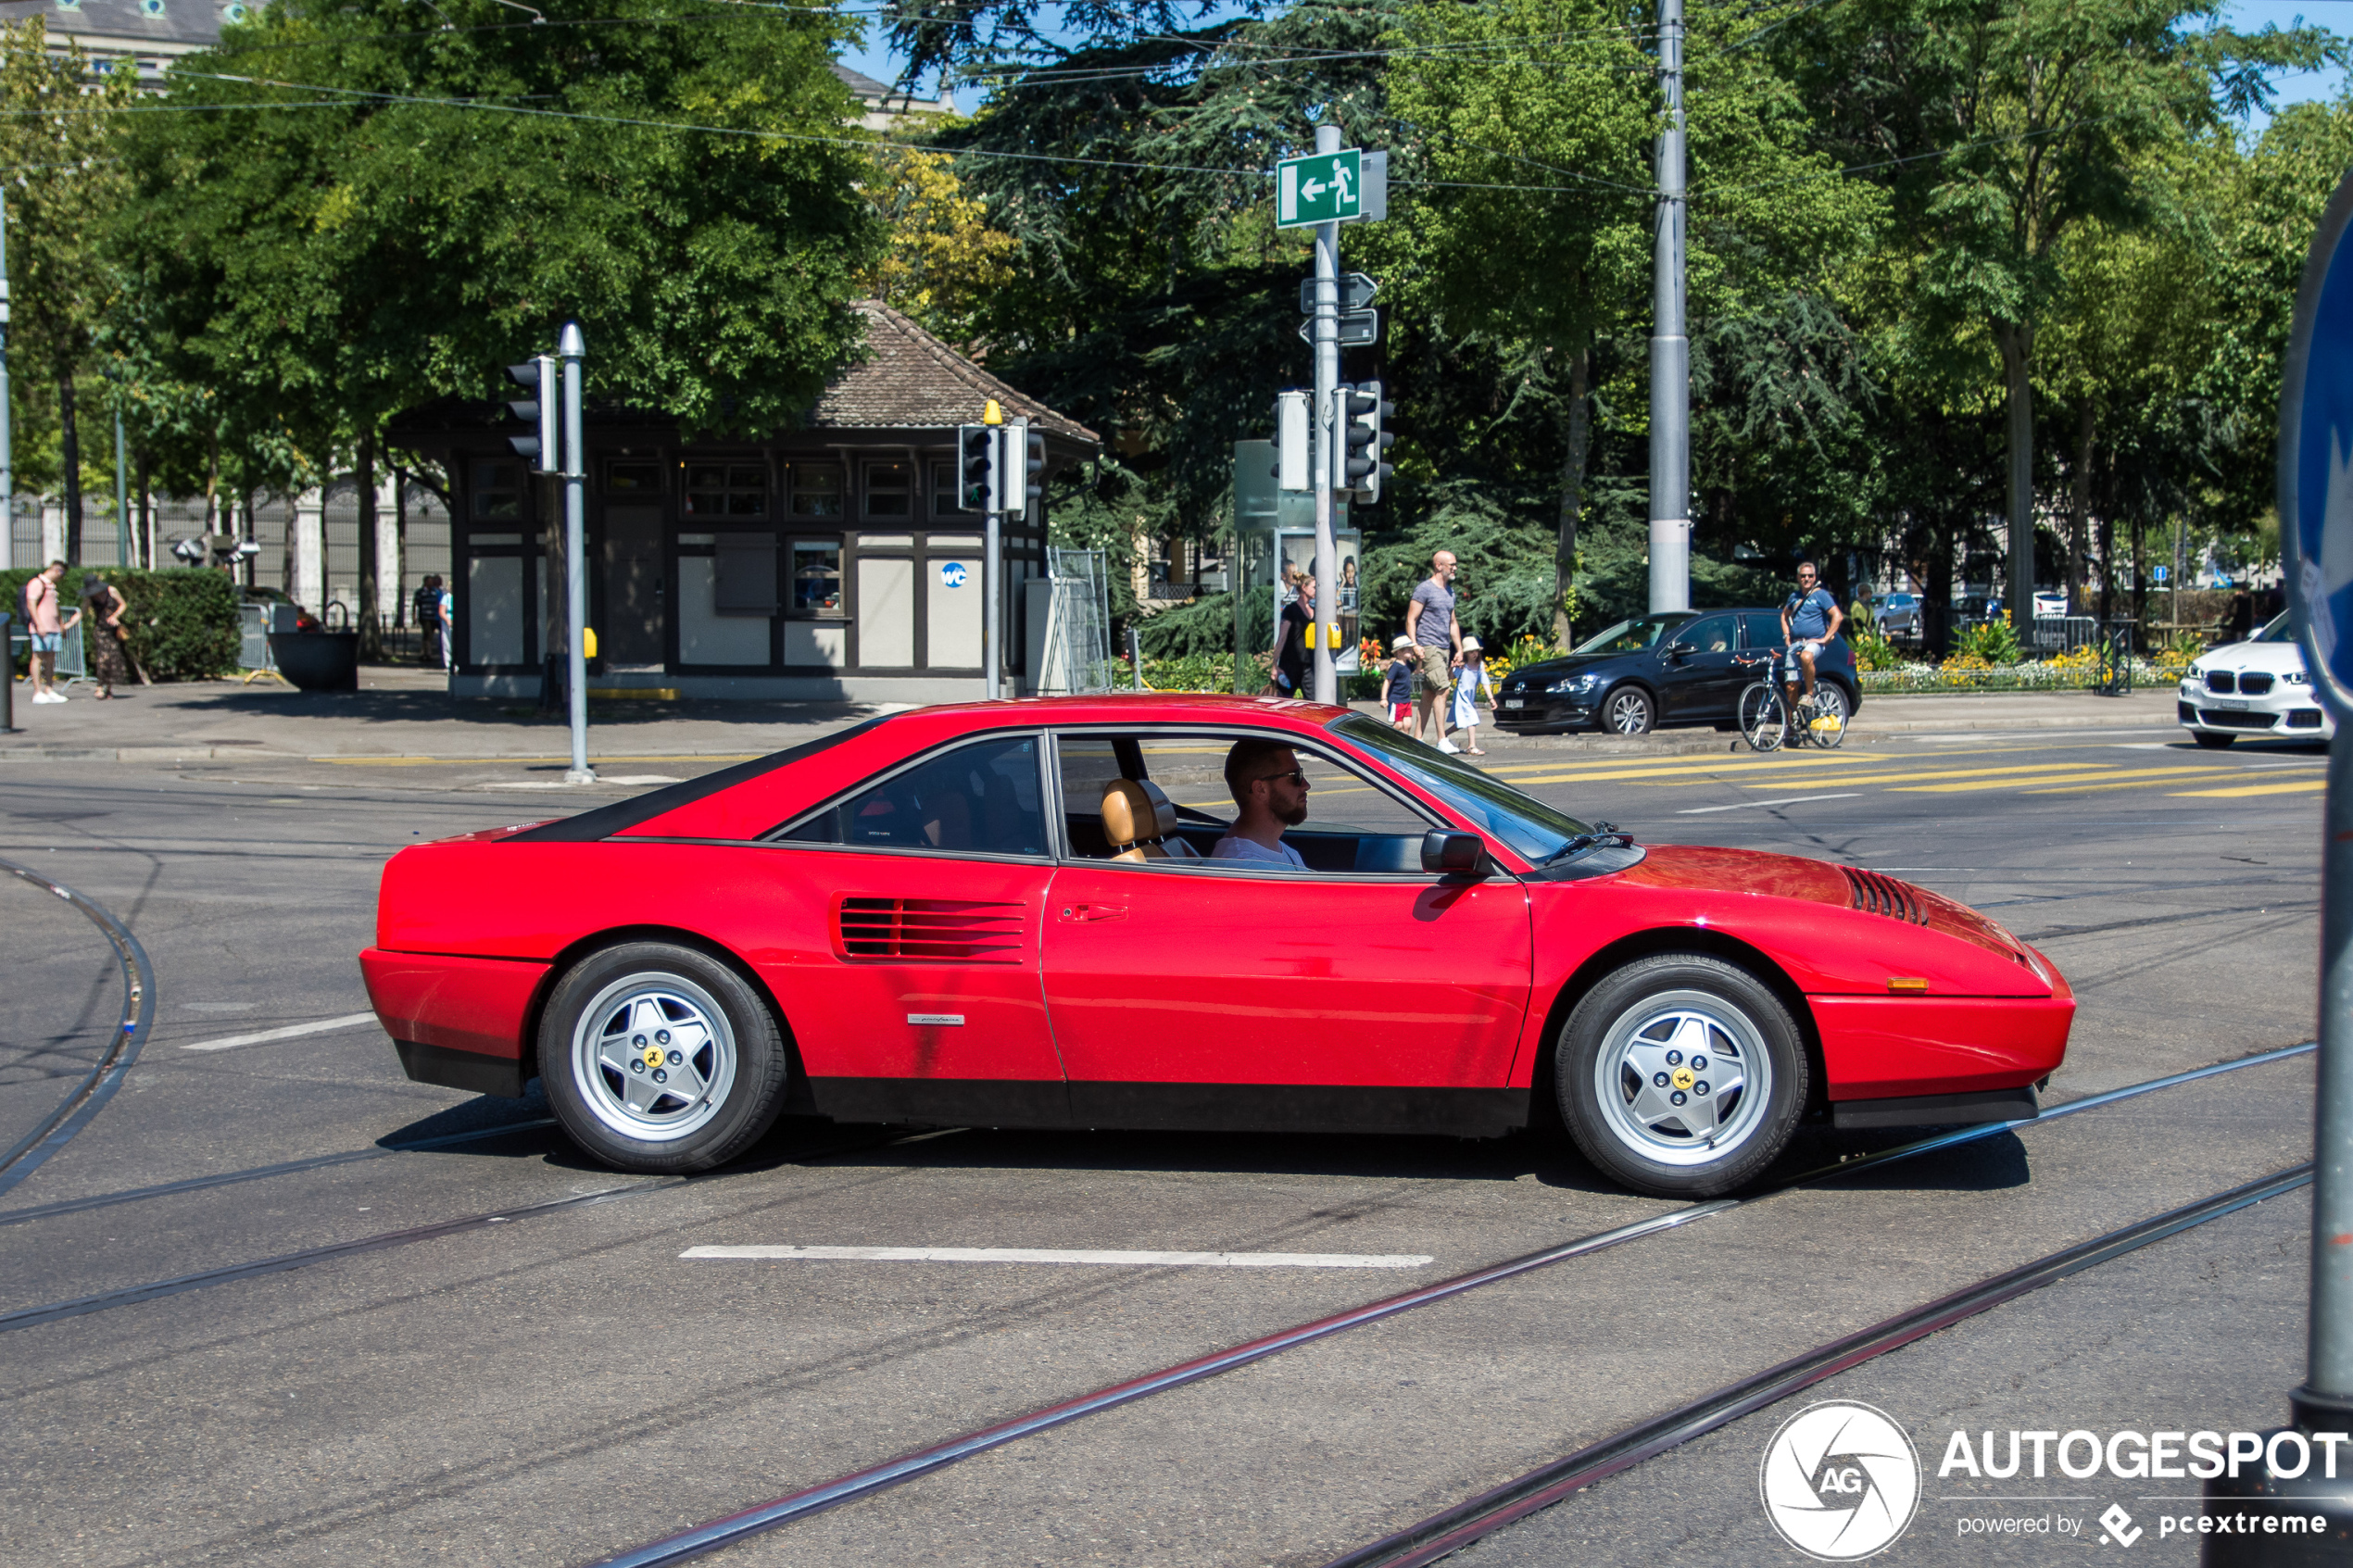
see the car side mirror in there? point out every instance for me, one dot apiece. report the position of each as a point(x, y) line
point(1447, 852)
point(1682, 650)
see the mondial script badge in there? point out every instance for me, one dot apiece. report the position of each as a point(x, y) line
point(1685, 1078)
point(1840, 1481)
point(2316, 460)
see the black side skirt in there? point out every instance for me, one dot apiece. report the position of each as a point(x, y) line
point(1936, 1111)
point(1251, 1108)
point(470, 1070)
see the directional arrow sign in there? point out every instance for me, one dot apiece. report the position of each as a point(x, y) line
point(1325, 188)
point(1356, 292)
point(1357, 329)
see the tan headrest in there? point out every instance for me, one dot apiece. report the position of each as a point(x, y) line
point(1135, 810)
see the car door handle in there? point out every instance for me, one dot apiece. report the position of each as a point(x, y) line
point(1078, 914)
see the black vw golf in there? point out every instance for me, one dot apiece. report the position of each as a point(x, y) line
point(1673, 669)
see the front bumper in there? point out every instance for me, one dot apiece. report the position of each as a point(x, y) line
point(1890, 1048)
point(1547, 710)
point(2284, 710)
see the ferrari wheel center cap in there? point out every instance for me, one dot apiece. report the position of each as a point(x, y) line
point(1685, 1078)
point(653, 1055)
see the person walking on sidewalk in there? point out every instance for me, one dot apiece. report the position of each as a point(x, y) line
point(1429, 621)
point(1295, 659)
point(49, 626)
point(106, 637)
point(1469, 682)
point(1397, 689)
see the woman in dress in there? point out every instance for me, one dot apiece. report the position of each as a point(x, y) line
point(108, 663)
point(1469, 682)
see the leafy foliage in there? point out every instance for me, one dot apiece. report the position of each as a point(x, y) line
point(182, 623)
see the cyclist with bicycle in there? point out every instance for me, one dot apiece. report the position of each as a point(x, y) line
point(1810, 617)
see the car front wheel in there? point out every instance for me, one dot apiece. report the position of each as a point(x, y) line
point(660, 1059)
point(1680, 1075)
point(1629, 711)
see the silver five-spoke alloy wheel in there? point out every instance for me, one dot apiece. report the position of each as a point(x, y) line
point(654, 1056)
point(1628, 711)
point(1683, 1079)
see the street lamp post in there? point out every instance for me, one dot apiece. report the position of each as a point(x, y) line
point(572, 348)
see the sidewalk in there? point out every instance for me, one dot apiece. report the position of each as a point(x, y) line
point(405, 713)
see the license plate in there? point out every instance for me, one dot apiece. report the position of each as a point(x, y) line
point(2235, 704)
point(1515, 702)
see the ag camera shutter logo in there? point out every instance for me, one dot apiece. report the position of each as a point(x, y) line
point(1840, 1481)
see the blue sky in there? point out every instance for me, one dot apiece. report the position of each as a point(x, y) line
point(879, 62)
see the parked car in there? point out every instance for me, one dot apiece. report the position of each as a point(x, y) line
point(1898, 615)
point(268, 597)
point(2049, 605)
point(1654, 669)
point(2256, 687)
point(993, 914)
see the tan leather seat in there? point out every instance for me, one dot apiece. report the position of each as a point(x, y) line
point(1140, 821)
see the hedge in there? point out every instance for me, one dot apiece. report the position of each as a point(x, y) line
point(182, 623)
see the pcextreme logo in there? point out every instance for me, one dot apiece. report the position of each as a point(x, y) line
point(1840, 1481)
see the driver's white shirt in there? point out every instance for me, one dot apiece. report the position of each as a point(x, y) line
point(1233, 847)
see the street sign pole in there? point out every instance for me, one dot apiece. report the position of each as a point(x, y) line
point(1670, 348)
point(2316, 545)
point(8, 441)
point(571, 348)
point(1327, 434)
point(1012, 451)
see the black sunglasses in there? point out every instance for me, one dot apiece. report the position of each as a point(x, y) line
point(1298, 773)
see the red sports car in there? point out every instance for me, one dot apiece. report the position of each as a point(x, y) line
point(1032, 914)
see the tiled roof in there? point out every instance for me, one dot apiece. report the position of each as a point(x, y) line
point(101, 24)
point(911, 381)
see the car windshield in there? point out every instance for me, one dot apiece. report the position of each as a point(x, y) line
point(1630, 636)
point(1534, 830)
point(2281, 630)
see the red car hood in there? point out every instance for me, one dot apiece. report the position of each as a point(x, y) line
point(1816, 881)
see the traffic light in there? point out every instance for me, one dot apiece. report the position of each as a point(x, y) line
point(544, 450)
point(979, 482)
point(1033, 466)
point(1358, 465)
point(1294, 427)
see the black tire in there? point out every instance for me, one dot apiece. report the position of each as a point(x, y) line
point(1762, 721)
point(1630, 711)
point(2210, 740)
point(698, 1020)
point(1737, 1017)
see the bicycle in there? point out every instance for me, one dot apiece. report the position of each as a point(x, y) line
point(1764, 711)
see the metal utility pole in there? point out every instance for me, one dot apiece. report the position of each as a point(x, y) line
point(1013, 454)
point(122, 493)
point(1670, 348)
point(8, 440)
point(1326, 343)
point(571, 348)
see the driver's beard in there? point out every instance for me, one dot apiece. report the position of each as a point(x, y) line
point(1291, 817)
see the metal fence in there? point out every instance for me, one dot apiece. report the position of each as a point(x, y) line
point(1077, 656)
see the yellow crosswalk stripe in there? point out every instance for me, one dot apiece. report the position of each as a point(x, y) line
point(1994, 777)
point(2034, 776)
point(2300, 786)
point(2141, 778)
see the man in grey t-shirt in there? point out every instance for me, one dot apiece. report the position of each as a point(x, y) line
point(1270, 788)
point(1437, 640)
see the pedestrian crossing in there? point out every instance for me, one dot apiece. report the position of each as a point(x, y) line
point(1996, 767)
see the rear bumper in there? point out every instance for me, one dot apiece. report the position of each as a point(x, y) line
point(459, 1022)
point(1890, 1048)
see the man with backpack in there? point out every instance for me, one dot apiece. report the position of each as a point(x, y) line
point(47, 624)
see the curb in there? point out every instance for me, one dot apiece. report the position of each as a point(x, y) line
point(138, 753)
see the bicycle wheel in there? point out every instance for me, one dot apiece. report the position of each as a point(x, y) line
point(1828, 728)
point(1761, 717)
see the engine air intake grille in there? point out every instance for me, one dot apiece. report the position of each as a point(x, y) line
point(933, 929)
point(1883, 896)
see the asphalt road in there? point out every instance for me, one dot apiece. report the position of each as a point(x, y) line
point(555, 1386)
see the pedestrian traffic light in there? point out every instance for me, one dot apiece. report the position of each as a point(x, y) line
point(1033, 466)
point(1358, 465)
point(1293, 436)
point(979, 482)
point(544, 449)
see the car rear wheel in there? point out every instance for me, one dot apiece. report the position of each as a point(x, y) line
point(2210, 740)
point(1680, 1075)
point(1629, 711)
point(660, 1059)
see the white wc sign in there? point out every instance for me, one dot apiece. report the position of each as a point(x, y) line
point(2316, 460)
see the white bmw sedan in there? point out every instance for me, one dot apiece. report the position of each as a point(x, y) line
point(2256, 687)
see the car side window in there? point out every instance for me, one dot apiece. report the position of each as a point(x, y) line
point(978, 798)
point(1760, 629)
point(1713, 634)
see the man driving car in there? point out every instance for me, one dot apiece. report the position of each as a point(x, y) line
point(1270, 787)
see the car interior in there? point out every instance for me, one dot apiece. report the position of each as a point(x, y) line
point(1162, 799)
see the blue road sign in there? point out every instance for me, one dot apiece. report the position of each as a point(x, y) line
point(2316, 460)
point(951, 574)
point(2158, 572)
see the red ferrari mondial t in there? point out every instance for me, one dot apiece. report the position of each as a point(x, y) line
point(1028, 913)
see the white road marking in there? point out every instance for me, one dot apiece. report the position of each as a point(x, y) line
point(291, 1030)
point(1750, 805)
point(1064, 1255)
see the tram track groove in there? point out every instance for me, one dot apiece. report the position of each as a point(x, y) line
point(89, 1097)
point(1453, 1528)
point(718, 1534)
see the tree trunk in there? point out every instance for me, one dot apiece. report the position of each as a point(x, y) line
point(146, 515)
point(2079, 542)
point(69, 459)
point(1572, 499)
point(2017, 344)
point(370, 624)
point(1936, 594)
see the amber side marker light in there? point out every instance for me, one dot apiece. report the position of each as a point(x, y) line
point(1908, 987)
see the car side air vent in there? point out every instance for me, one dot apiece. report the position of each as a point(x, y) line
point(1879, 895)
point(939, 930)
